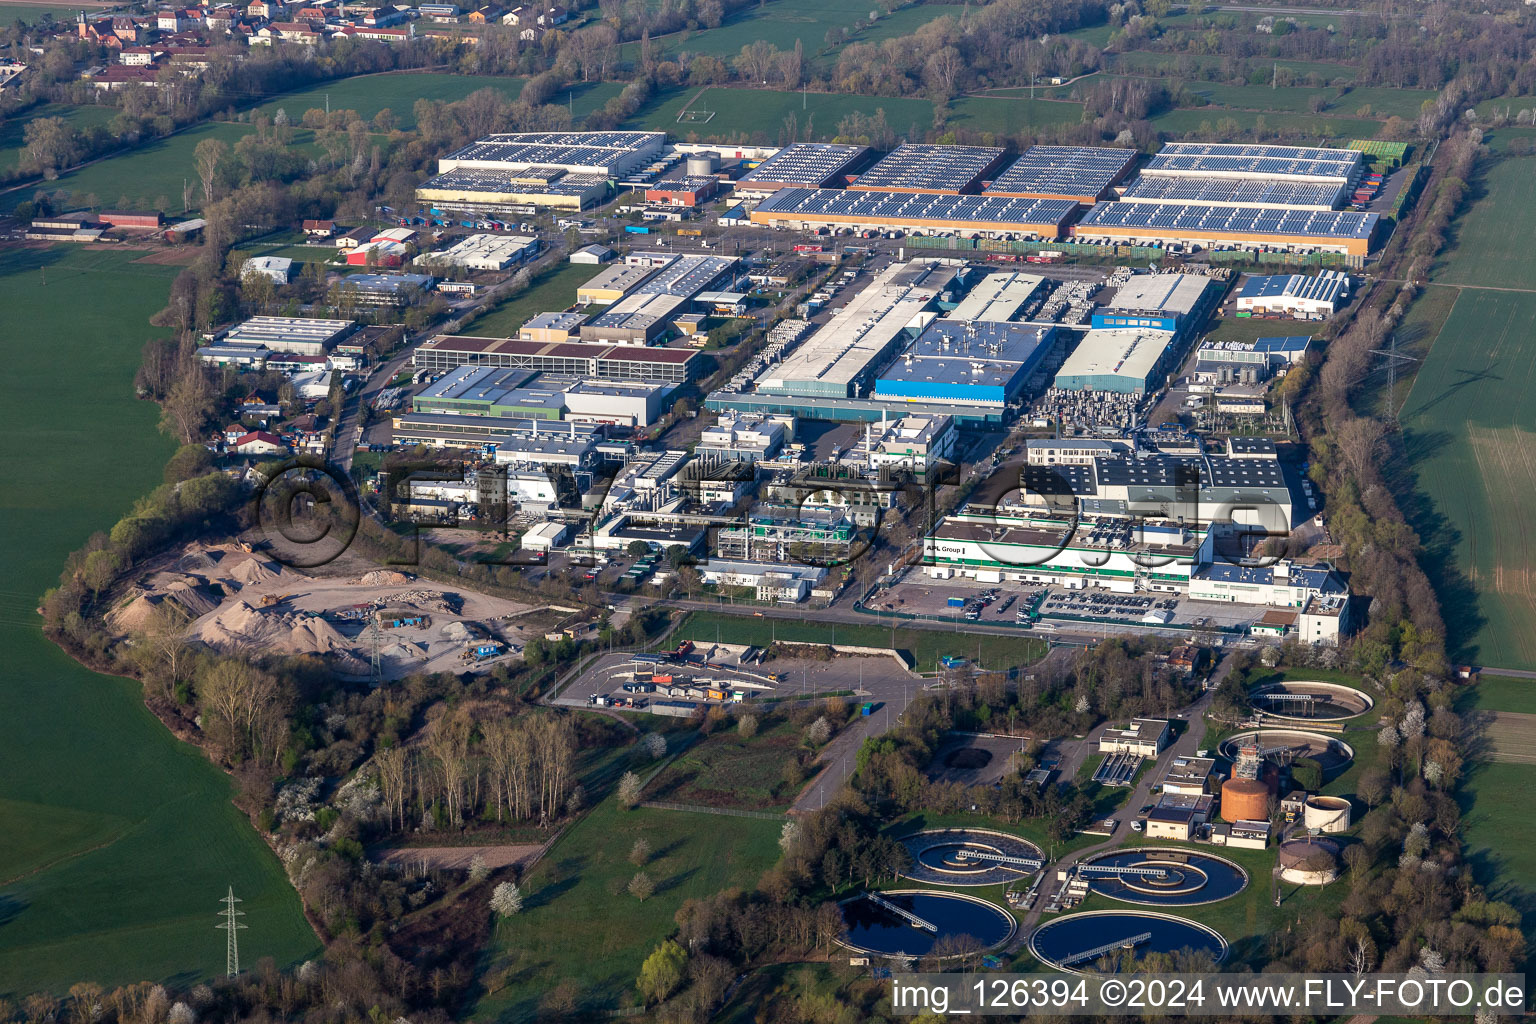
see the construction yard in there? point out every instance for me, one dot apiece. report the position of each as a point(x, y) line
point(234, 600)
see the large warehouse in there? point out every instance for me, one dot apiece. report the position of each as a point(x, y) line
point(1252, 162)
point(953, 362)
point(1128, 360)
point(1242, 226)
point(839, 358)
point(1082, 174)
point(803, 165)
point(992, 216)
point(1277, 194)
point(1165, 302)
point(1313, 296)
point(572, 358)
point(559, 170)
point(997, 297)
point(931, 170)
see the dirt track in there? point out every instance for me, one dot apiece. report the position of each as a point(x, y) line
point(457, 858)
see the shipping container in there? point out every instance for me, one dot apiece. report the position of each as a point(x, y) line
point(637, 229)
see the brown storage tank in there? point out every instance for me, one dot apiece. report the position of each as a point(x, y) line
point(1244, 800)
point(1309, 861)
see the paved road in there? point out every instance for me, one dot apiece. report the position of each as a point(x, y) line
point(1513, 673)
point(840, 755)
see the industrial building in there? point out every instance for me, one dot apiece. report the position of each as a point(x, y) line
point(443, 430)
point(642, 318)
point(613, 283)
point(1184, 488)
point(308, 336)
point(772, 581)
point(483, 391)
point(1177, 816)
point(552, 327)
point(1189, 776)
point(966, 363)
point(1144, 737)
point(384, 289)
point(483, 252)
point(1082, 174)
point(744, 438)
point(1285, 194)
point(572, 359)
point(839, 359)
point(277, 269)
point(687, 190)
point(1125, 360)
point(803, 165)
point(997, 297)
point(1315, 595)
point(931, 170)
point(1306, 296)
point(1207, 226)
point(632, 404)
point(522, 171)
point(1225, 362)
point(915, 444)
point(1164, 302)
point(983, 215)
point(1251, 162)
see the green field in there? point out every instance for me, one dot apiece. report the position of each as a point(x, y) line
point(30, 14)
point(554, 288)
point(1500, 835)
point(581, 934)
point(762, 112)
point(1148, 62)
point(369, 94)
point(1493, 238)
point(1499, 693)
point(926, 646)
point(12, 132)
point(1321, 127)
point(116, 841)
point(1471, 432)
point(726, 770)
point(784, 22)
point(156, 170)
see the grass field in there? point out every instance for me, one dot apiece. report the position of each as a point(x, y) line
point(553, 289)
point(370, 94)
point(156, 170)
point(1471, 434)
point(784, 22)
point(1500, 835)
point(1493, 238)
point(116, 841)
point(581, 937)
point(31, 14)
point(1203, 121)
point(725, 770)
point(1148, 62)
point(754, 112)
point(13, 131)
point(926, 646)
point(1498, 693)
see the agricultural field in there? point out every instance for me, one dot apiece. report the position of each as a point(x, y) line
point(578, 944)
point(925, 646)
point(762, 112)
point(151, 176)
point(1499, 835)
point(1492, 240)
point(369, 94)
point(1327, 130)
point(13, 131)
point(1472, 436)
point(1165, 64)
point(1011, 115)
point(553, 288)
point(785, 22)
point(116, 841)
point(1498, 693)
point(31, 14)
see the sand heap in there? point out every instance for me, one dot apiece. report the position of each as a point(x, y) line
point(383, 578)
point(241, 627)
point(252, 569)
point(426, 600)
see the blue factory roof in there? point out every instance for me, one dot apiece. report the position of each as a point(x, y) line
point(930, 168)
point(999, 212)
point(1236, 192)
point(1290, 343)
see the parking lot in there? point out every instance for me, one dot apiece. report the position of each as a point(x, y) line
point(967, 602)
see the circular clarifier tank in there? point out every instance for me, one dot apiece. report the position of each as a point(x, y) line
point(1084, 942)
point(1164, 877)
point(915, 922)
point(970, 856)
